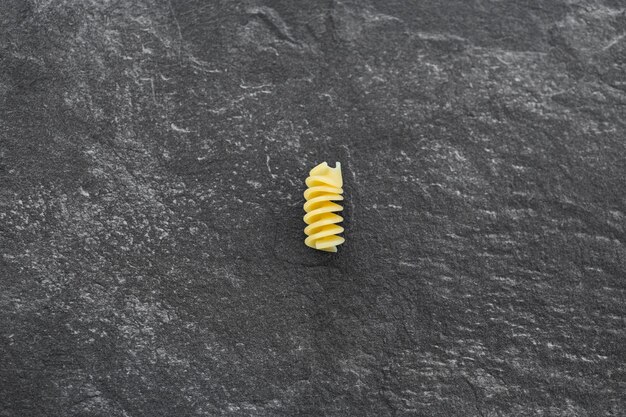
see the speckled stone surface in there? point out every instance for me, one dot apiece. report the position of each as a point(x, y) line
point(152, 159)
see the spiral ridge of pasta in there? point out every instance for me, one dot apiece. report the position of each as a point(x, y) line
point(324, 187)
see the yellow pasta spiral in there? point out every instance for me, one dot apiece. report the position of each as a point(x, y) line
point(324, 185)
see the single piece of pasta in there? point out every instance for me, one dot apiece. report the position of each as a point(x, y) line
point(324, 188)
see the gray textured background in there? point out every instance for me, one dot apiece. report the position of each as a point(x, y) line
point(152, 159)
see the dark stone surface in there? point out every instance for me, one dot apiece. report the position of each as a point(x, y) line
point(152, 159)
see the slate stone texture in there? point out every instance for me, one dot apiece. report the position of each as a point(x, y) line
point(152, 164)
